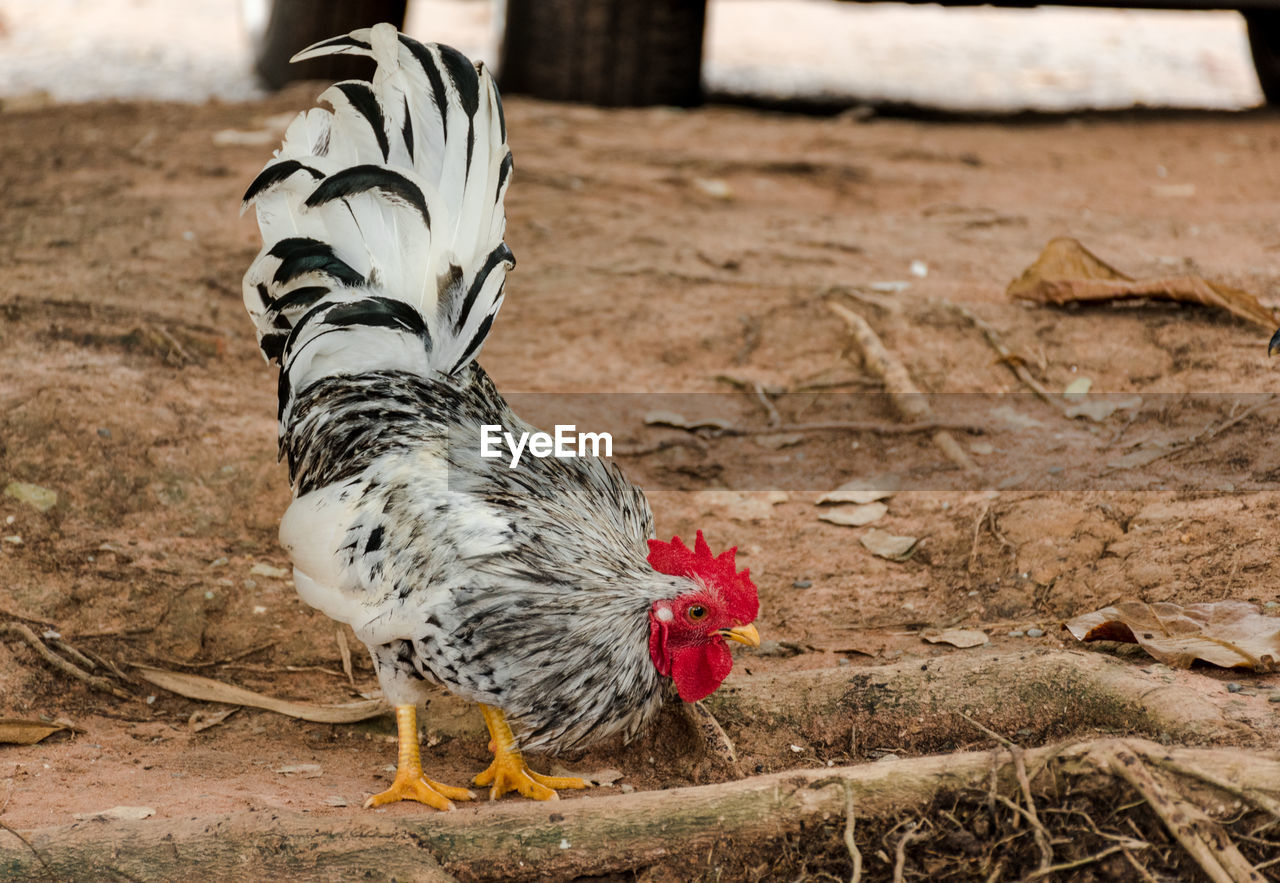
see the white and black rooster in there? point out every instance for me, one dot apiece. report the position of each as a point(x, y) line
point(535, 592)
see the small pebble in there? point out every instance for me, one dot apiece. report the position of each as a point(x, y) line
point(1017, 633)
point(104, 432)
point(1233, 687)
point(626, 789)
point(842, 661)
point(1274, 697)
point(1035, 633)
point(802, 584)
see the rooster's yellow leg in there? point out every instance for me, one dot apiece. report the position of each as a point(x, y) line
point(410, 783)
point(508, 771)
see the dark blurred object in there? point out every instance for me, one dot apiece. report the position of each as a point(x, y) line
point(614, 53)
point(1264, 42)
point(279, 28)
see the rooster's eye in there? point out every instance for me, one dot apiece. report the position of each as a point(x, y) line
point(697, 612)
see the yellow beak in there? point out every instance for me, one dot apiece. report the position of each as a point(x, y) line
point(743, 634)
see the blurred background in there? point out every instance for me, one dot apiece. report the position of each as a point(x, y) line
point(841, 54)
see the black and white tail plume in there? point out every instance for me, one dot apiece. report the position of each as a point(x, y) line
point(382, 219)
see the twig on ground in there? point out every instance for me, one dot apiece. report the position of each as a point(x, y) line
point(282, 669)
point(10, 614)
point(1216, 853)
point(908, 400)
point(851, 426)
point(344, 651)
point(900, 851)
point(1024, 783)
point(1078, 863)
point(1208, 433)
point(184, 358)
point(115, 633)
point(1211, 431)
point(757, 389)
point(1133, 418)
point(1013, 362)
point(109, 666)
point(211, 663)
point(76, 656)
point(27, 843)
point(977, 527)
point(855, 854)
point(1137, 866)
point(771, 412)
point(98, 683)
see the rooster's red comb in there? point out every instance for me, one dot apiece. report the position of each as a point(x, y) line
point(717, 571)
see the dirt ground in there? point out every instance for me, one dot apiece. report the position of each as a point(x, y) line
point(657, 250)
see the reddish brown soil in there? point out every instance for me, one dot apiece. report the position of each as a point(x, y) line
point(132, 387)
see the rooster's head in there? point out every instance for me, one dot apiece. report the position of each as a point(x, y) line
point(687, 633)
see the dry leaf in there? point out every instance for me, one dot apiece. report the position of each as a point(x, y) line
point(1078, 387)
point(1230, 634)
point(117, 814)
point(209, 690)
point(962, 638)
point(604, 777)
point(1066, 272)
point(15, 731)
point(1142, 455)
point(862, 491)
point(742, 506)
point(886, 545)
point(41, 498)
point(203, 720)
point(344, 650)
point(1098, 408)
point(855, 516)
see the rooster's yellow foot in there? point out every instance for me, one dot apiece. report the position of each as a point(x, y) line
point(508, 772)
point(410, 783)
point(410, 786)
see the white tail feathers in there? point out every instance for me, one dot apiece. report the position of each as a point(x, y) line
point(382, 219)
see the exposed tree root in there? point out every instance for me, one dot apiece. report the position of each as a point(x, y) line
point(1008, 814)
point(920, 707)
point(914, 805)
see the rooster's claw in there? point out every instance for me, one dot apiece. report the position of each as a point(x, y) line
point(424, 790)
point(508, 772)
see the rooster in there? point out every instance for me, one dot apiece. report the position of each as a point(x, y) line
point(536, 592)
